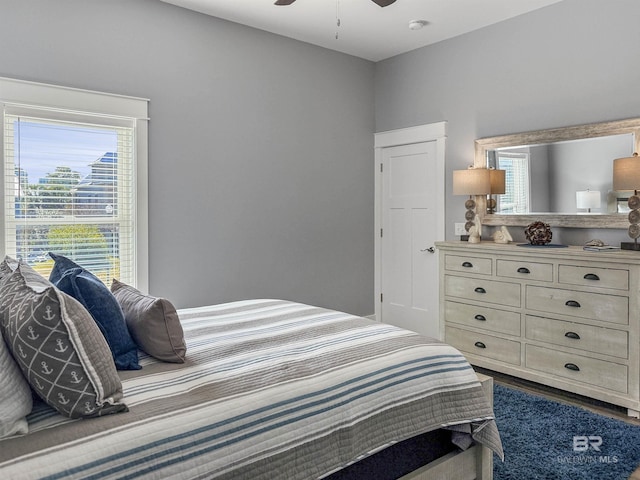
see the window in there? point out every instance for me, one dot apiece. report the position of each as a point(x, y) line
point(74, 179)
point(517, 196)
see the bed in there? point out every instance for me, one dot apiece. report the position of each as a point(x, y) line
point(272, 389)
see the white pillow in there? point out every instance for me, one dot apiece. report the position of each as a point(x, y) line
point(15, 396)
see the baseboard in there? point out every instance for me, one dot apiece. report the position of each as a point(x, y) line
point(371, 317)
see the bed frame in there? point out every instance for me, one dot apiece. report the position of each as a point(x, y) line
point(475, 463)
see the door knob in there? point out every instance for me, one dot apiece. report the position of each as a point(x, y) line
point(430, 250)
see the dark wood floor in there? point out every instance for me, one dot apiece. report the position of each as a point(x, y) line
point(596, 406)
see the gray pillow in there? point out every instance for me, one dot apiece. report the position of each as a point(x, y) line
point(15, 396)
point(7, 267)
point(152, 322)
point(58, 346)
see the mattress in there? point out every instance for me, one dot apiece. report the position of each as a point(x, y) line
point(270, 389)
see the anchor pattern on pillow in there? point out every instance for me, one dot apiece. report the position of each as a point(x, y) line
point(42, 347)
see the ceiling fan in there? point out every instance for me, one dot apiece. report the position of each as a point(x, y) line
point(382, 3)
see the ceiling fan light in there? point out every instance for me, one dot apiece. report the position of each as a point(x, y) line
point(383, 3)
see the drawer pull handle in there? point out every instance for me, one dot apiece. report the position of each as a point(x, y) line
point(572, 303)
point(479, 290)
point(480, 318)
point(467, 264)
point(523, 270)
point(591, 276)
point(572, 366)
point(480, 345)
point(572, 335)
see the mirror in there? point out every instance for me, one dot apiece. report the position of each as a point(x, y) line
point(546, 168)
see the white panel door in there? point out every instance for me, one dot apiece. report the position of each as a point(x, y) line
point(409, 217)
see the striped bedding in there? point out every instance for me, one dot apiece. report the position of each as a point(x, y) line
point(270, 389)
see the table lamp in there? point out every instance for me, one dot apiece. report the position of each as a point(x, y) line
point(472, 181)
point(587, 199)
point(626, 176)
point(498, 187)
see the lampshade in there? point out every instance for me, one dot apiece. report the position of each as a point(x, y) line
point(626, 173)
point(588, 199)
point(473, 181)
point(497, 182)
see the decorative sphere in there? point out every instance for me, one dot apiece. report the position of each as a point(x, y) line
point(538, 233)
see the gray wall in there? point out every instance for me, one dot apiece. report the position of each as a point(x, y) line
point(570, 63)
point(585, 164)
point(539, 181)
point(261, 147)
point(260, 153)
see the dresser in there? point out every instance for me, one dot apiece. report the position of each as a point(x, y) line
point(562, 317)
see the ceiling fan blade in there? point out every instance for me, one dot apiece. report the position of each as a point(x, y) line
point(383, 3)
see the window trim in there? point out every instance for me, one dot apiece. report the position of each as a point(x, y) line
point(16, 93)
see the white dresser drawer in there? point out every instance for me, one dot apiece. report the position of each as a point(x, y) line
point(609, 375)
point(562, 317)
point(458, 263)
point(594, 277)
point(606, 341)
point(490, 291)
point(606, 308)
point(486, 318)
point(525, 270)
point(483, 345)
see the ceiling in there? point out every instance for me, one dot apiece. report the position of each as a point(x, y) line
point(366, 30)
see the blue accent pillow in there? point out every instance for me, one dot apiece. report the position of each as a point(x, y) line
point(94, 295)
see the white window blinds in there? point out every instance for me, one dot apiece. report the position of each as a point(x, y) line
point(517, 197)
point(70, 187)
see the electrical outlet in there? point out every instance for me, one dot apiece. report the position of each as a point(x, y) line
point(459, 229)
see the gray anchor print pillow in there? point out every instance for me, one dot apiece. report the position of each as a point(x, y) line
point(58, 346)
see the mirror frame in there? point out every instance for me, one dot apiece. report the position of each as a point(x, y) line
point(592, 130)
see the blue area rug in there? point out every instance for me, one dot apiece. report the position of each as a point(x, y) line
point(543, 439)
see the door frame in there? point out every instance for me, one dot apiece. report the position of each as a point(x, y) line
point(421, 133)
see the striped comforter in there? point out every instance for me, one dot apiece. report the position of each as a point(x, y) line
point(270, 389)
